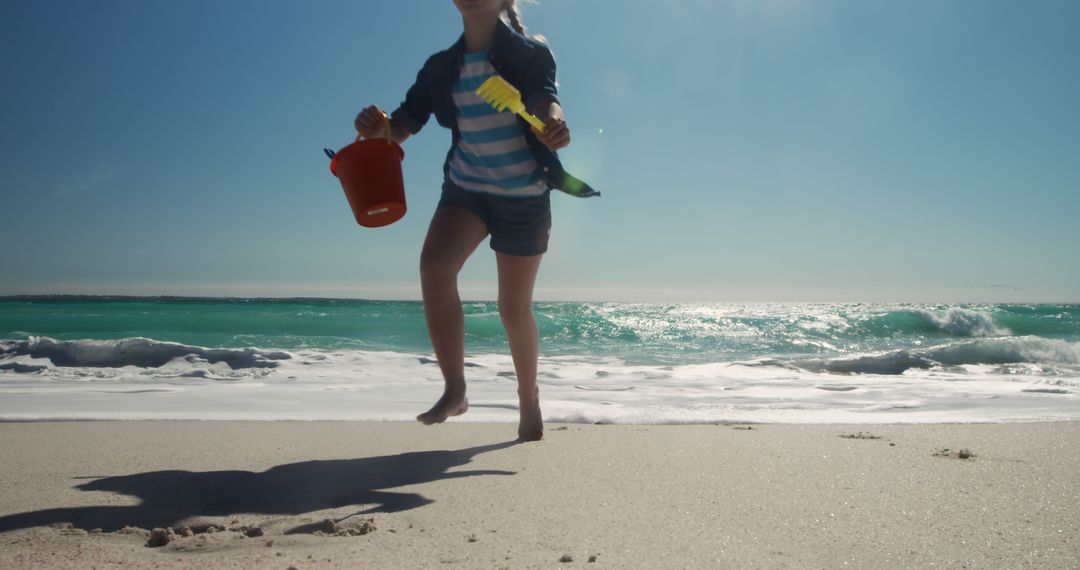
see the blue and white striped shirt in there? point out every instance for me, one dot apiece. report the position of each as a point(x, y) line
point(491, 154)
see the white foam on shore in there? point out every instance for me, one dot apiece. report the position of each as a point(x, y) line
point(1021, 380)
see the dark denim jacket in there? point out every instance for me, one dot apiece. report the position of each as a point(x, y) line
point(526, 63)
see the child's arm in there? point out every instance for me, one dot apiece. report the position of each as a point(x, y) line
point(371, 123)
point(540, 90)
point(556, 134)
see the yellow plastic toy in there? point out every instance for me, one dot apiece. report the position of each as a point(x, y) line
point(498, 93)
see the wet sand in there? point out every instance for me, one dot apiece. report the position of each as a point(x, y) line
point(402, 495)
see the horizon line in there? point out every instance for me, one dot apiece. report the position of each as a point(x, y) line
point(129, 297)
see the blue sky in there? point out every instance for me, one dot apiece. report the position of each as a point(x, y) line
point(756, 150)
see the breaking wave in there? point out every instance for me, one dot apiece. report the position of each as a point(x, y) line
point(956, 321)
point(139, 352)
point(1047, 353)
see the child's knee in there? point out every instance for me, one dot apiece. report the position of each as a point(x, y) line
point(435, 267)
point(515, 313)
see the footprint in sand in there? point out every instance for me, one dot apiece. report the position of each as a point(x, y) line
point(860, 435)
point(1046, 390)
point(596, 389)
point(958, 454)
point(426, 360)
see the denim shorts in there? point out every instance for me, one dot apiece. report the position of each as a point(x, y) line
point(518, 225)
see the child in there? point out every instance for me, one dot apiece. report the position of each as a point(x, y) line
point(498, 174)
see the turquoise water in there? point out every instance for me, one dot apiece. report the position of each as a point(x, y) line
point(298, 359)
point(636, 333)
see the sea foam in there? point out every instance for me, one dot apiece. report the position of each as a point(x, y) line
point(984, 379)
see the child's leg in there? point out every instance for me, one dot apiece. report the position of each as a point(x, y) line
point(452, 236)
point(517, 277)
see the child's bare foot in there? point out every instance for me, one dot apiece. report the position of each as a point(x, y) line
point(452, 403)
point(531, 424)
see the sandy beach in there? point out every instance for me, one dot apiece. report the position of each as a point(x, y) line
point(400, 495)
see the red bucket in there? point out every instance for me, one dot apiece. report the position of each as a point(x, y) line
point(370, 174)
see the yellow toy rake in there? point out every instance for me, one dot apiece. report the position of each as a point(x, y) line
point(498, 93)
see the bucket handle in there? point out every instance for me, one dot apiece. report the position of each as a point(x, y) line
point(386, 127)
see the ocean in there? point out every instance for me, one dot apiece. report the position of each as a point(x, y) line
point(325, 359)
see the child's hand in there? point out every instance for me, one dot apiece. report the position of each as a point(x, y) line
point(371, 122)
point(556, 134)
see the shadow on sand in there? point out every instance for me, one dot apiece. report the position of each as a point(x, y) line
point(168, 497)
